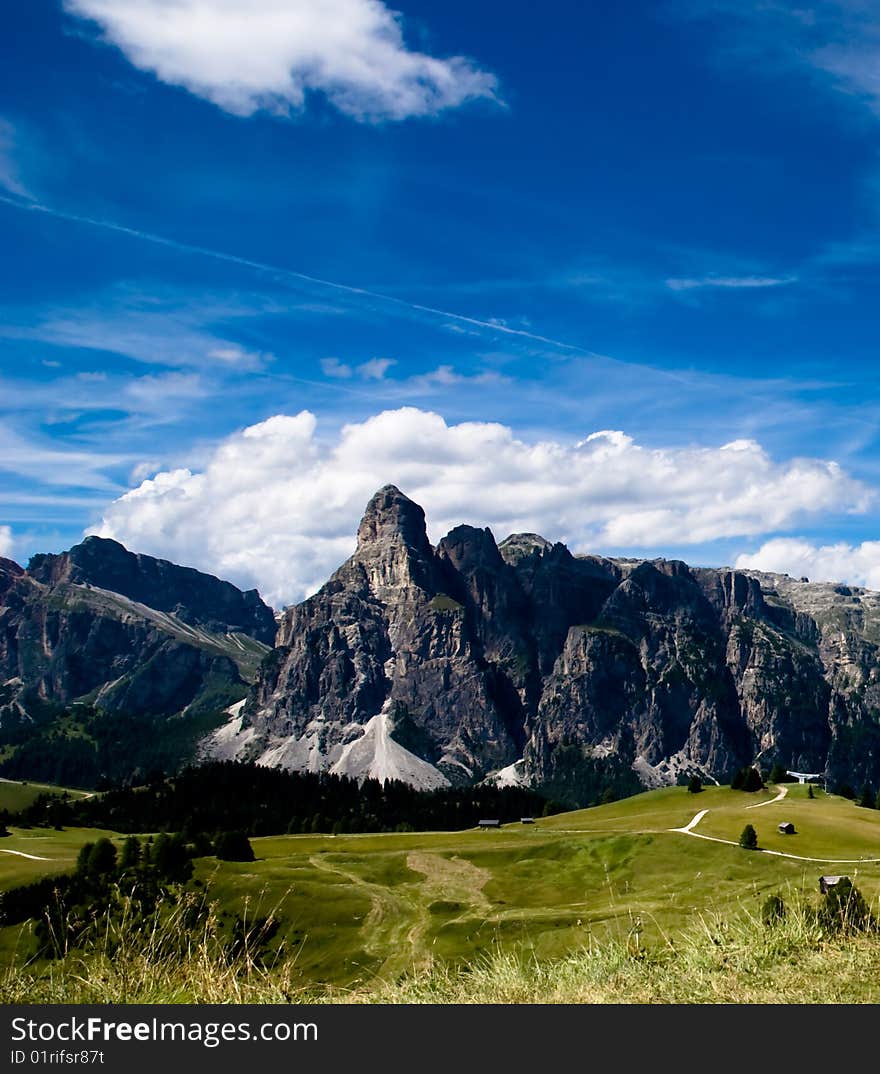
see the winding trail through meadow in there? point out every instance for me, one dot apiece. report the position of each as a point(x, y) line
point(688, 829)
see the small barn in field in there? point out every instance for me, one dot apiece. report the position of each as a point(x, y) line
point(489, 824)
point(786, 828)
point(527, 820)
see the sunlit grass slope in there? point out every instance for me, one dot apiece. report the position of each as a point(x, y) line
point(360, 911)
point(15, 796)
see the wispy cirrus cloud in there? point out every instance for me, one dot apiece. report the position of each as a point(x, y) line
point(728, 283)
point(271, 54)
point(839, 39)
point(151, 327)
point(47, 463)
point(374, 369)
point(10, 176)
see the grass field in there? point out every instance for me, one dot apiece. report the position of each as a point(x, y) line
point(362, 910)
point(15, 796)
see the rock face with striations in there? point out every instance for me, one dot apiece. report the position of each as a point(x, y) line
point(112, 632)
point(524, 663)
point(193, 597)
point(517, 662)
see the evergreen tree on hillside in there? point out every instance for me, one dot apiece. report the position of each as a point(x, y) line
point(752, 780)
point(131, 853)
point(866, 798)
point(233, 846)
point(778, 774)
point(810, 792)
point(695, 785)
point(749, 838)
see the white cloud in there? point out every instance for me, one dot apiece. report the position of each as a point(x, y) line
point(855, 564)
point(39, 460)
point(838, 37)
point(6, 542)
point(332, 367)
point(732, 283)
point(164, 391)
point(269, 54)
point(277, 507)
point(375, 369)
point(233, 355)
point(10, 179)
point(158, 328)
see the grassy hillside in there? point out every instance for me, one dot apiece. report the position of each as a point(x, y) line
point(363, 911)
point(15, 795)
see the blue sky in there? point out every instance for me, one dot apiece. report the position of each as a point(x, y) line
point(653, 218)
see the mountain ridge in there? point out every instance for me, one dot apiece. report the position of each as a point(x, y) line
point(526, 660)
point(456, 663)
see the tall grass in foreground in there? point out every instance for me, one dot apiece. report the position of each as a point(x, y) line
point(178, 954)
point(717, 959)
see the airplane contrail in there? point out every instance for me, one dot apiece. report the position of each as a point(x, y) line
point(220, 255)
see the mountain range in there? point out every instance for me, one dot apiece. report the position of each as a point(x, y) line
point(470, 660)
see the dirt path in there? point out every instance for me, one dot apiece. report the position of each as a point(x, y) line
point(453, 878)
point(447, 879)
point(395, 928)
point(385, 927)
point(21, 854)
point(688, 829)
point(782, 793)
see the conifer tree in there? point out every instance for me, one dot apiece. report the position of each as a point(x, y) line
point(749, 838)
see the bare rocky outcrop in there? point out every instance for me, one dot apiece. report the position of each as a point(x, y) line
point(467, 661)
point(122, 633)
point(526, 659)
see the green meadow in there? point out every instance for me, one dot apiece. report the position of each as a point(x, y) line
point(362, 911)
point(15, 795)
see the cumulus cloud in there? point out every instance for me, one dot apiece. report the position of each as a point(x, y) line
point(6, 541)
point(842, 562)
point(276, 506)
point(269, 54)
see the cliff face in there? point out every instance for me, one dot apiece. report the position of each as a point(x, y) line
point(193, 597)
point(454, 663)
point(99, 630)
point(518, 662)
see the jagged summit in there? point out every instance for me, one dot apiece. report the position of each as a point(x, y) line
point(518, 545)
point(391, 515)
point(475, 657)
point(457, 663)
point(393, 549)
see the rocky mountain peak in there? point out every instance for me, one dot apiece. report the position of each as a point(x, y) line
point(518, 545)
point(391, 516)
point(468, 548)
point(9, 566)
point(392, 543)
point(10, 572)
point(195, 597)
